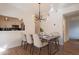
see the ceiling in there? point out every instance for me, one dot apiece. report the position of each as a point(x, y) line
point(63, 5)
point(25, 7)
point(33, 7)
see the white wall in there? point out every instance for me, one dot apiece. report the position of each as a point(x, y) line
point(74, 28)
point(8, 10)
point(56, 17)
point(13, 11)
point(10, 39)
point(66, 11)
point(48, 25)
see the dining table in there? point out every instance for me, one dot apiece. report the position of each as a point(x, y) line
point(51, 40)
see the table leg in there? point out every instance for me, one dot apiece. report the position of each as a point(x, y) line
point(49, 48)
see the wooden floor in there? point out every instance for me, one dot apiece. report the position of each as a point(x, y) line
point(21, 51)
point(70, 48)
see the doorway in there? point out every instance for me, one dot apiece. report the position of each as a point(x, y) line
point(71, 33)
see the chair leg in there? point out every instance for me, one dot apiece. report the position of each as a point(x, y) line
point(21, 43)
point(31, 49)
point(39, 50)
point(49, 49)
point(26, 46)
point(57, 44)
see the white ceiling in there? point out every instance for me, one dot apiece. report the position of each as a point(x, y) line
point(63, 5)
point(44, 6)
point(33, 7)
point(25, 7)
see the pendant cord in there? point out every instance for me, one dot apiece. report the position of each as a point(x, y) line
point(39, 11)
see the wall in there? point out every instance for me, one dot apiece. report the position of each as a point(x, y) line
point(37, 26)
point(66, 29)
point(12, 11)
point(74, 28)
point(67, 11)
point(48, 25)
point(10, 39)
point(57, 17)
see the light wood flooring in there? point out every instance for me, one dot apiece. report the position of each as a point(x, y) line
point(23, 51)
point(70, 48)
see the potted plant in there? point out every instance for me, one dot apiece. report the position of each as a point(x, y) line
point(41, 30)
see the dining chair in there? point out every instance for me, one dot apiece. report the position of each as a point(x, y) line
point(24, 41)
point(29, 41)
point(38, 43)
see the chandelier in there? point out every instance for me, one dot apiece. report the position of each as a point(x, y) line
point(39, 16)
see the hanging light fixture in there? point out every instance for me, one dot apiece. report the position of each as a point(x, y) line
point(39, 16)
point(39, 11)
